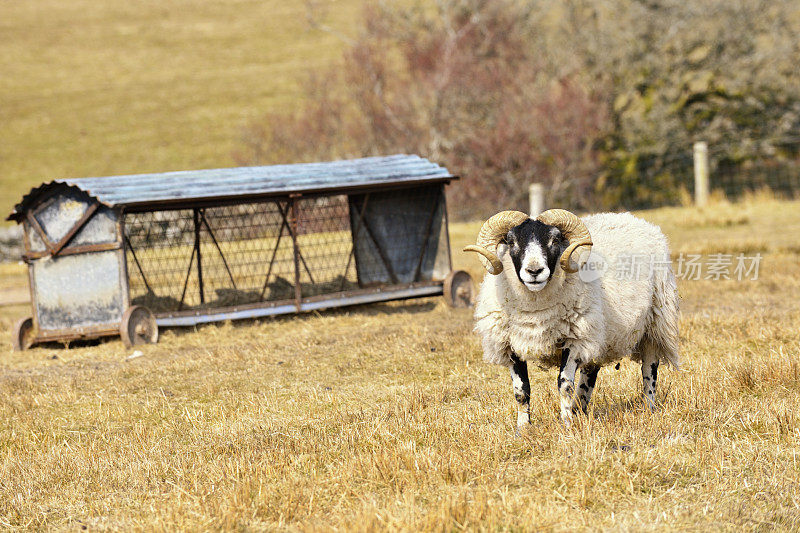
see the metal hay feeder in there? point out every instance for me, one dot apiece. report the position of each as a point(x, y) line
point(127, 254)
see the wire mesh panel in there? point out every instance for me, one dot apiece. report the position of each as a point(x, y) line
point(283, 250)
point(242, 254)
point(325, 246)
point(210, 257)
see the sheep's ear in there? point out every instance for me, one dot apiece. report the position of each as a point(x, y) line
point(502, 249)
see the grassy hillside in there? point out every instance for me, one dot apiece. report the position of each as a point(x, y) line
point(100, 88)
point(383, 417)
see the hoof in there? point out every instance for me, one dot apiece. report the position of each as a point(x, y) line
point(521, 429)
point(650, 405)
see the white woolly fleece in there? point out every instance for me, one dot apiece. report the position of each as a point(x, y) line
point(602, 320)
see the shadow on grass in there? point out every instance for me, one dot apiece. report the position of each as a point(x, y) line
point(612, 409)
point(77, 343)
point(375, 309)
point(384, 308)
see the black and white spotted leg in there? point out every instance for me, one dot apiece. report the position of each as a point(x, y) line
point(566, 384)
point(522, 390)
point(649, 378)
point(586, 383)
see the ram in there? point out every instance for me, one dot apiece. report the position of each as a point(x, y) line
point(536, 306)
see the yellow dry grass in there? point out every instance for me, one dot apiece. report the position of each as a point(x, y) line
point(384, 417)
point(101, 88)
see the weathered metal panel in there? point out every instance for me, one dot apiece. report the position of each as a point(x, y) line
point(36, 243)
point(58, 214)
point(76, 291)
point(143, 189)
point(100, 229)
point(83, 290)
point(441, 263)
point(398, 235)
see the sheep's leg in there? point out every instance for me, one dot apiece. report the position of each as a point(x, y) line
point(586, 381)
point(566, 384)
point(649, 377)
point(522, 390)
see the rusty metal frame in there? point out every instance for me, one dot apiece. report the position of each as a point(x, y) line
point(428, 228)
point(314, 303)
point(186, 281)
point(288, 207)
point(355, 233)
point(298, 291)
point(123, 267)
point(219, 249)
point(55, 248)
point(387, 264)
point(292, 229)
point(76, 228)
point(284, 224)
point(62, 248)
point(201, 288)
point(128, 246)
point(446, 228)
point(274, 252)
point(80, 332)
point(26, 257)
point(381, 253)
point(85, 248)
point(40, 231)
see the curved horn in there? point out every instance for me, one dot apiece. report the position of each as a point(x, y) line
point(490, 235)
point(572, 228)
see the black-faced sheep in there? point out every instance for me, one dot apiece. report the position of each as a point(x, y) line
point(534, 306)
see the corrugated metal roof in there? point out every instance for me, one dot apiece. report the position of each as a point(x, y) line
point(242, 182)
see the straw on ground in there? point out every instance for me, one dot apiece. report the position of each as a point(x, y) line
point(384, 417)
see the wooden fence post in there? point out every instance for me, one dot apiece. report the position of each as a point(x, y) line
point(701, 184)
point(536, 199)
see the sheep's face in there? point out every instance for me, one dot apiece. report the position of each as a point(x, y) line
point(535, 248)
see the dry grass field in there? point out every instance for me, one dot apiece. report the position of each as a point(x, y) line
point(384, 417)
point(100, 88)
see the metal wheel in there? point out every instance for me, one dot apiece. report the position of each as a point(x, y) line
point(23, 334)
point(458, 289)
point(138, 326)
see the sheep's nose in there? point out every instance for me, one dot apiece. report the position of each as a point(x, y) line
point(535, 273)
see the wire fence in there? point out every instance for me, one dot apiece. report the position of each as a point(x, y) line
point(782, 178)
point(775, 169)
point(668, 180)
point(658, 180)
